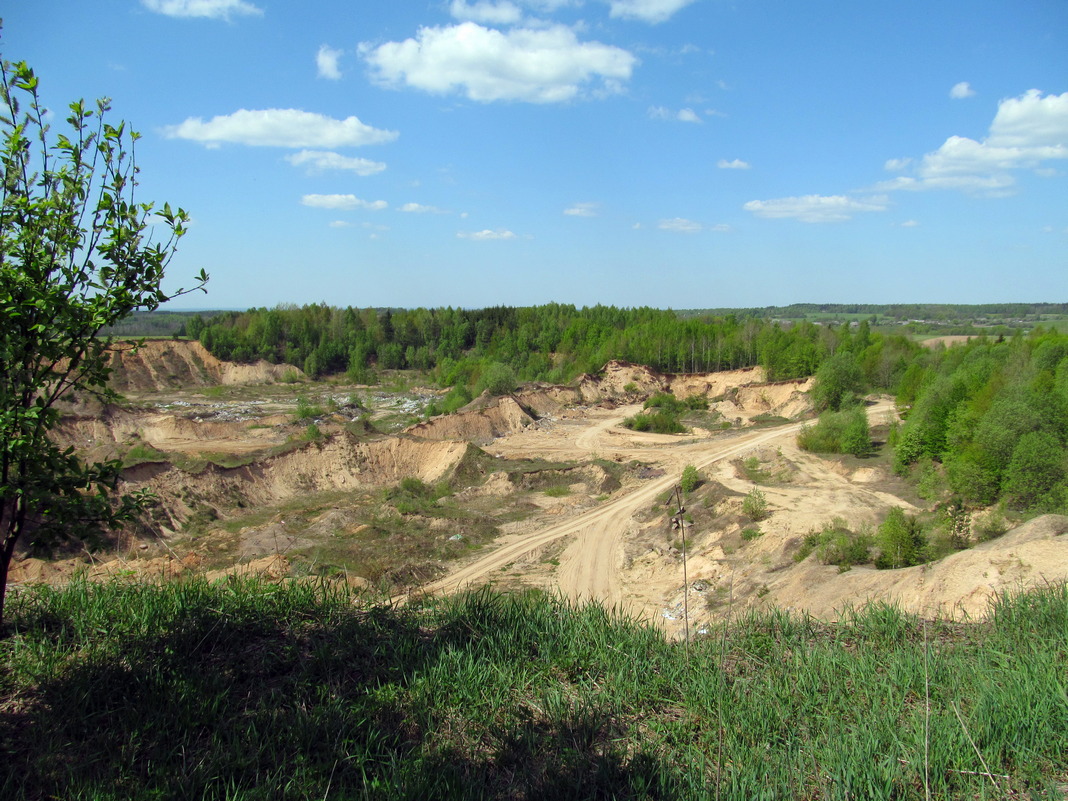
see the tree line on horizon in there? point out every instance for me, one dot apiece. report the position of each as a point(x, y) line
point(552, 342)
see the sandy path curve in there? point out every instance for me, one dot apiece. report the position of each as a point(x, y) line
point(589, 567)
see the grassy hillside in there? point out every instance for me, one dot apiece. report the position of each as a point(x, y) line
point(250, 690)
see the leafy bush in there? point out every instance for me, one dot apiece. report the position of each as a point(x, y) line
point(665, 401)
point(838, 382)
point(1035, 478)
point(755, 505)
point(841, 546)
point(414, 496)
point(657, 423)
point(846, 431)
point(457, 397)
point(690, 480)
point(306, 409)
point(837, 544)
point(498, 379)
point(900, 541)
point(697, 403)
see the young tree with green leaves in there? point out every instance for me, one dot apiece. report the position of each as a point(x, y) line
point(77, 254)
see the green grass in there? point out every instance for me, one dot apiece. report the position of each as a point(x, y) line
point(144, 453)
point(246, 690)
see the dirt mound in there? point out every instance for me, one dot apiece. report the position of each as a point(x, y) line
point(594, 478)
point(683, 385)
point(622, 381)
point(618, 380)
point(115, 429)
point(962, 584)
point(543, 399)
point(338, 464)
point(779, 399)
point(481, 421)
point(172, 363)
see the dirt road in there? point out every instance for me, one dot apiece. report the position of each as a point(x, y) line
point(589, 566)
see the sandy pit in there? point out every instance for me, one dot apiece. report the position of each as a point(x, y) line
point(596, 537)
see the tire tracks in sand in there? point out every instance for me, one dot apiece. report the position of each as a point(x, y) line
point(589, 567)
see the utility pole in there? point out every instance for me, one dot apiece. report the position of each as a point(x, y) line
point(678, 523)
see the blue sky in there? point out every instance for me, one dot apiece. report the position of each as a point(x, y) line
point(671, 153)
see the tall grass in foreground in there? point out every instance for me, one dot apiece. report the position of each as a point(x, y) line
point(248, 690)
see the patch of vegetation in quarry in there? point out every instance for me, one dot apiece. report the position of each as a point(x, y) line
point(392, 537)
point(767, 466)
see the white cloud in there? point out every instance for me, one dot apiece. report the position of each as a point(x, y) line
point(583, 210)
point(343, 202)
point(419, 208)
point(910, 224)
point(680, 225)
point(1026, 131)
point(1031, 121)
point(211, 9)
point(721, 228)
point(323, 160)
point(682, 115)
point(340, 224)
point(815, 208)
point(503, 13)
point(961, 90)
point(536, 66)
point(326, 60)
point(896, 165)
point(652, 11)
point(279, 127)
point(485, 235)
point(736, 164)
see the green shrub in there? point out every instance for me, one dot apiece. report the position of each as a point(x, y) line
point(755, 505)
point(691, 479)
point(754, 470)
point(837, 544)
point(697, 403)
point(143, 453)
point(846, 431)
point(498, 379)
point(657, 423)
point(900, 541)
point(664, 401)
point(841, 546)
point(306, 409)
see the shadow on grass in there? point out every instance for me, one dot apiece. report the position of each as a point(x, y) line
point(212, 692)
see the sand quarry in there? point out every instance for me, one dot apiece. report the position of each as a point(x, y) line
point(604, 532)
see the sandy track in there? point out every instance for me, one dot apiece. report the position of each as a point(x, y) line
point(589, 567)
